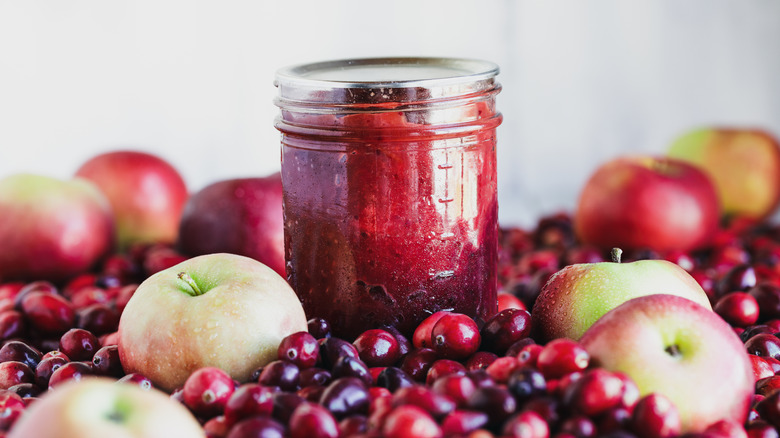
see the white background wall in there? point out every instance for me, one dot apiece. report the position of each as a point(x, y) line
point(191, 81)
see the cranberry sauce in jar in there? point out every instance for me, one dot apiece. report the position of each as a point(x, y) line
point(389, 175)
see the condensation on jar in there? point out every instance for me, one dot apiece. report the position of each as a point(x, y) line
point(389, 175)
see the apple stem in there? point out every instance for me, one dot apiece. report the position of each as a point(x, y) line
point(616, 253)
point(194, 286)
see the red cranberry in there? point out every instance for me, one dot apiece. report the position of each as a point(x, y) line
point(26, 390)
point(319, 328)
point(50, 314)
point(404, 344)
point(761, 429)
point(9, 399)
point(768, 297)
point(35, 286)
point(422, 334)
point(354, 425)
point(346, 396)
point(526, 424)
point(529, 355)
point(257, 427)
point(332, 349)
point(443, 367)
point(417, 363)
point(518, 346)
point(761, 368)
point(88, 296)
point(13, 373)
point(300, 348)
point(123, 296)
point(106, 362)
point(12, 325)
point(20, 352)
point(216, 427)
point(655, 416)
point(578, 426)
point(546, 406)
point(136, 379)
point(739, 309)
point(595, 392)
point(79, 344)
point(480, 360)
point(310, 420)
point(99, 319)
point(526, 383)
point(496, 401)
point(613, 420)
point(437, 405)
point(314, 377)
point(502, 368)
point(284, 404)
point(393, 378)
point(11, 289)
point(764, 345)
point(504, 329)
point(377, 348)
point(560, 357)
point(279, 373)
point(249, 400)
point(69, 371)
point(457, 387)
point(410, 421)
point(462, 422)
point(348, 366)
point(8, 418)
point(207, 390)
point(45, 369)
point(726, 428)
point(508, 301)
point(455, 336)
point(767, 385)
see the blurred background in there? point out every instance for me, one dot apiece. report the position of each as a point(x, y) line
point(192, 81)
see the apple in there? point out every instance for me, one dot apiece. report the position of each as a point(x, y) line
point(641, 202)
point(670, 345)
point(100, 407)
point(216, 310)
point(240, 216)
point(51, 229)
point(744, 165)
point(147, 194)
point(578, 295)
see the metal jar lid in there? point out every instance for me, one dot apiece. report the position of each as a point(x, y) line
point(383, 82)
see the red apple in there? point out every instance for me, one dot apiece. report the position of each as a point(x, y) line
point(239, 216)
point(217, 310)
point(670, 345)
point(51, 229)
point(644, 202)
point(146, 193)
point(100, 407)
point(744, 164)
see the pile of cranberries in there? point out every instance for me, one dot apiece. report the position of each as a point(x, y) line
point(452, 377)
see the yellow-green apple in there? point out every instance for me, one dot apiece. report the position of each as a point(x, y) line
point(147, 194)
point(744, 164)
point(640, 202)
point(216, 310)
point(51, 229)
point(670, 345)
point(101, 407)
point(240, 216)
point(578, 295)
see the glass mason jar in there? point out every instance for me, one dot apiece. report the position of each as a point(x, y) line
point(389, 176)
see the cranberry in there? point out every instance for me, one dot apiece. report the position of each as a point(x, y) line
point(761, 367)
point(480, 360)
point(105, 362)
point(248, 400)
point(377, 348)
point(20, 352)
point(613, 420)
point(437, 405)
point(578, 426)
point(595, 392)
point(765, 345)
point(354, 425)
point(462, 422)
point(526, 383)
point(36, 286)
point(768, 297)
point(346, 396)
point(99, 319)
point(529, 355)
point(455, 336)
point(79, 344)
point(207, 390)
point(45, 369)
point(739, 309)
point(502, 368)
point(8, 418)
point(11, 289)
point(216, 427)
point(417, 363)
point(314, 377)
point(496, 401)
point(739, 278)
point(443, 367)
point(12, 325)
point(301, 348)
point(457, 387)
point(319, 327)
point(70, 371)
point(404, 344)
point(136, 379)
point(767, 385)
point(726, 428)
point(285, 375)
point(310, 420)
point(504, 329)
point(348, 366)
point(257, 427)
point(9, 399)
point(50, 314)
point(422, 334)
point(410, 421)
point(761, 429)
point(13, 373)
point(332, 349)
point(560, 357)
point(26, 390)
point(393, 378)
point(655, 416)
point(508, 301)
point(123, 296)
point(526, 424)
point(284, 404)
point(88, 296)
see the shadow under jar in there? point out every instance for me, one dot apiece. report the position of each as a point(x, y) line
point(389, 176)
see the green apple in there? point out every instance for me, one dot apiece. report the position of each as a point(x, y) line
point(744, 165)
point(578, 295)
point(219, 310)
point(670, 345)
point(99, 407)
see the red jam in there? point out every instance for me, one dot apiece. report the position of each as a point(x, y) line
point(390, 204)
